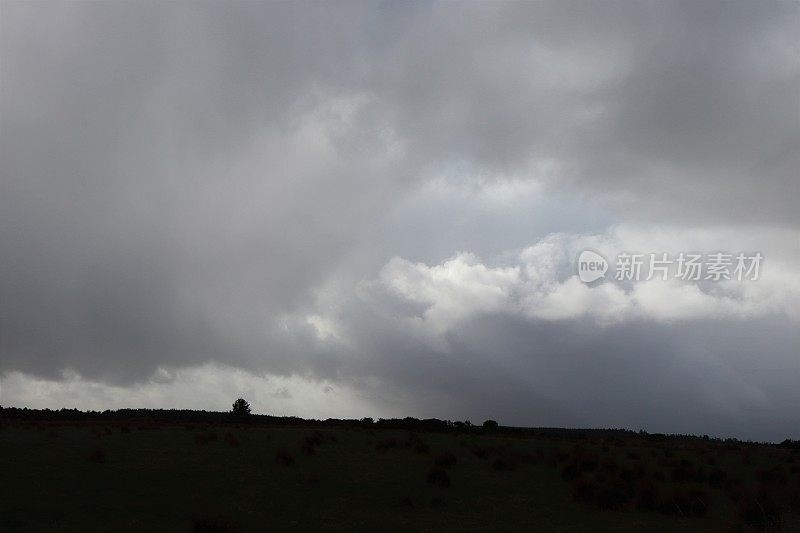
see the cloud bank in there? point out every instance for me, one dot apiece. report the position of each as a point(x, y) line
point(387, 199)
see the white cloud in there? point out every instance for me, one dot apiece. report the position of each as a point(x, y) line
point(453, 290)
point(542, 284)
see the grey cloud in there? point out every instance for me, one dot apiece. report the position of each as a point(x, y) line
point(719, 377)
point(686, 111)
point(177, 180)
point(160, 200)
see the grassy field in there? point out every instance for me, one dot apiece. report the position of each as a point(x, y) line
point(186, 477)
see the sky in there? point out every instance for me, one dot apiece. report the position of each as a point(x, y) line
point(351, 209)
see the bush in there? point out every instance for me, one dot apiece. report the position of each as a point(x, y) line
point(570, 472)
point(385, 445)
point(231, 439)
point(438, 476)
point(503, 464)
point(717, 478)
point(761, 513)
point(446, 459)
point(583, 491)
point(314, 440)
point(587, 464)
point(310, 444)
point(648, 498)
point(613, 496)
point(307, 449)
point(97, 456)
point(480, 453)
point(421, 448)
point(284, 458)
point(204, 438)
point(490, 425)
point(609, 465)
point(212, 525)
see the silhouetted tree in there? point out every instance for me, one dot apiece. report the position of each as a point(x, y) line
point(241, 407)
point(490, 425)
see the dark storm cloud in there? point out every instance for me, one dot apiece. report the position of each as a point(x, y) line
point(177, 179)
point(719, 377)
point(161, 199)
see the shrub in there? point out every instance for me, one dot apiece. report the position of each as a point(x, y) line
point(503, 463)
point(648, 498)
point(774, 475)
point(717, 478)
point(212, 525)
point(314, 440)
point(658, 475)
point(421, 448)
point(438, 476)
point(490, 425)
point(311, 442)
point(587, 464)
point(609, 465)
point(613, 496)
point(446, 459)
point(560, 456)
point(570, 472)
point(231, 439)
point(583, 491)
point(636, 473)
point(698, 505)
point(97, 456)
point(530, 458)
point(307, 449)
point(480, 453)
point(205, 437)
point(385, 445)
point(284, 458)
point(686, 472)
point(761, 513)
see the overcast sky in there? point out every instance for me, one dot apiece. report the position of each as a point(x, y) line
point(374, 209)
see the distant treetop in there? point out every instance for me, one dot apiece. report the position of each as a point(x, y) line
point(241, 407)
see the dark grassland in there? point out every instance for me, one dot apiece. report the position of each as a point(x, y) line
point(145, 475)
